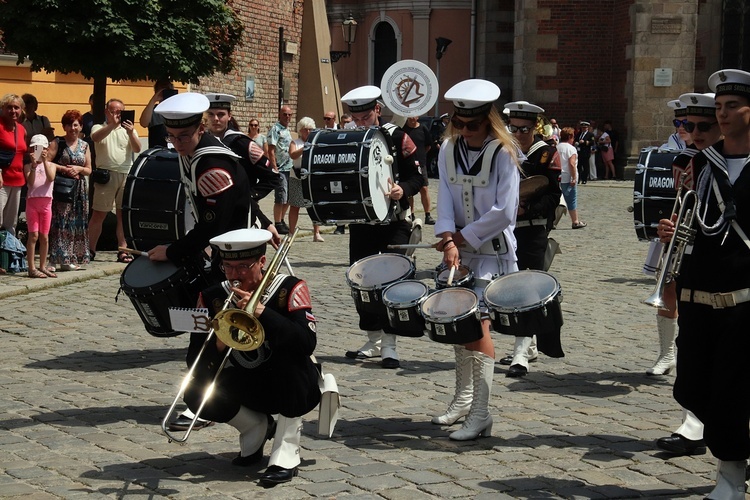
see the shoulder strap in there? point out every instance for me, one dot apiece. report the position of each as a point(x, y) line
point(61, 145)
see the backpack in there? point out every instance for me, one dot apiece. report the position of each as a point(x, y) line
point(12, 253)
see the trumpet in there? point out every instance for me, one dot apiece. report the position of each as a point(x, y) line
point(238, 329)
point(684, 234)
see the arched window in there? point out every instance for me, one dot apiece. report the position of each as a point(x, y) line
point(385, 50)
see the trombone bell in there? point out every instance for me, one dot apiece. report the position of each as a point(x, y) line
point(238, 329)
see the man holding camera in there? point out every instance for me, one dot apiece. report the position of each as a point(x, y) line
point(115, 143)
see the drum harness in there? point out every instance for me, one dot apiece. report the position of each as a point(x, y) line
point(497, 246)
point(533, 222)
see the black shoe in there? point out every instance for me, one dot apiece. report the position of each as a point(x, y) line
point(256, 457)
point(281, 227)
point(679, 445)
point(276, 475)
point(181, 423)
point(429, 220)
point(516, 371)
point(340, 230)
point(507, 360)
point(358, 355)
point(390, 363)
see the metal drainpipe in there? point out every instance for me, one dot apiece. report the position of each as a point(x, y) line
point(473, 39)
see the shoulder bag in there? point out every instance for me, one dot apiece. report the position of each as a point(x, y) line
point(6, 155)
point(64, 189)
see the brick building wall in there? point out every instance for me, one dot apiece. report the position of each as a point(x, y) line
point(258, 56)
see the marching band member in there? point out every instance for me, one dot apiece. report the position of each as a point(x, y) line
point(279, 377)
point(535, 216)
point(679, 140)
point(252, 158)
point(476, 207)
point(217, 187)
point(371, 239)
point(713, 289)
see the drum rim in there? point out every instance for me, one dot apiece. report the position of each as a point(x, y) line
point(405, 305)
point(357, 286)
point(530, 307)
point(453, 319)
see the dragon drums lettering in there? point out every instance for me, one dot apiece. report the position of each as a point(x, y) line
point(661, 182)
point(333, 158)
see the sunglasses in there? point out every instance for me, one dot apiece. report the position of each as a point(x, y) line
point(326, 118)
point(471, 126)
point(701, 126)
point(677, 123)
point(524, 130)
point(253, 124)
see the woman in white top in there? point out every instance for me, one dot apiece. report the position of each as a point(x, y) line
point(296, 148)
point(476, 207)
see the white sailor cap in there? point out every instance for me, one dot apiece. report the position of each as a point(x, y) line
point(473, 97)
point(524, 110)
point(220, 101)
point(730, 82)
point(585, 124)
point(362, 98)
point(183, 110)
point(242, 243)
point(679, 108)
point(39, 140)
point(699, 104)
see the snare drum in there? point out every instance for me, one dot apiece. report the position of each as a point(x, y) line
point(654, 191)
point(463, 276)
point(369, 276)
point(154, 207)
point(154, 287)
point(402, 300)
point(347, 175)
point(524, 303)
point(451, 316)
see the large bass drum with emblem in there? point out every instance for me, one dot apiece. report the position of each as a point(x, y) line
point(347, 175)
point(154, 208)
point(654, 190)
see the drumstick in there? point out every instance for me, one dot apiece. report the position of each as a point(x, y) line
point(450, 276)
point(411, 245)
point(132, 250)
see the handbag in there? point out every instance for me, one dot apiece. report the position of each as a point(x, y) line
point(100, 175)
point(64, 189)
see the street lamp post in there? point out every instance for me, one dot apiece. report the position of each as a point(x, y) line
point(349, 28)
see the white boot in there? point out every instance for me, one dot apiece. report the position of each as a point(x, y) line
point(371, 349)
point(461, 403)
point(252, 426)
point(285, 451)
point(667, 328)
point(479, 421)
point(388, 351)
point(730, 481)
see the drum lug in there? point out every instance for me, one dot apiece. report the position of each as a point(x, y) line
point(304, 173)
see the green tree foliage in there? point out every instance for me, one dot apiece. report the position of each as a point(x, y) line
point(180, 40)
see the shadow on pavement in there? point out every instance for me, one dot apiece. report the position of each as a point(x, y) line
point(98, 361)
point(90, 416)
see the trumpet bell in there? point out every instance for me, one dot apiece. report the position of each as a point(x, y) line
point(238, 329)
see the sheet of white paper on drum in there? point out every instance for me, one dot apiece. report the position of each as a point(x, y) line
point(186, 319)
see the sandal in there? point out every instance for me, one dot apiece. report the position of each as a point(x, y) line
point(124, 257)
point(92, 254)
point(50, 272)
point(36, 273)
point(579, 225)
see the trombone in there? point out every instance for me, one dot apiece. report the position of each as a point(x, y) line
point(236, 328)
point(684, 234)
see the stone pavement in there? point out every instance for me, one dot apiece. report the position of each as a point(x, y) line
point(84, 387)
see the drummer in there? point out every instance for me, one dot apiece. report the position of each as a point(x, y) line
point(536, 215)
point(374, 238)
point(476, 206)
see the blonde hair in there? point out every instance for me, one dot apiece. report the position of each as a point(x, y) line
point(9, 98)
point(497, 129)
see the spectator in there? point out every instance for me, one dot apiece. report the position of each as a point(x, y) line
point(607, 149)
point(253, 130)
point(87, 122)
point(115, 144)
point(586, 140)
point(569, 175)
point(329, 120)
point(157, 132)
point(69, 236)
point(304, 127)
point(347, 122)
point(12, 148)
point(34, 123)
point(421, 137)
point(279, 139)
point(40, 174)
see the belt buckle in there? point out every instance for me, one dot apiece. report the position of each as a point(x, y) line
point(722, 300)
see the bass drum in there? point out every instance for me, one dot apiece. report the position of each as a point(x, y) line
point(155, 287)
point(524, 303)
point(154, 207)
point(654, 190)
point(347, 175)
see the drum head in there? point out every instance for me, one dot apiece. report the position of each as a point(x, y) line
point(144, 273)
point(379, 173)
point(378, 270)
point(460, 275)
point(449, 304)
point(404, 293)
point(520, 291)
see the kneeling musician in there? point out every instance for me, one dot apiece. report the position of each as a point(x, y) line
point(278, 377)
